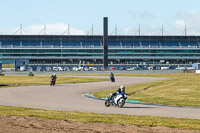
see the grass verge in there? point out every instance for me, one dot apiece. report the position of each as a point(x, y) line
point(151, 121)
point(177, 89)
point(42, 80)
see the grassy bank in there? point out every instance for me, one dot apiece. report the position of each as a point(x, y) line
point(103, 118)
point(177, 89)
point(43, 80)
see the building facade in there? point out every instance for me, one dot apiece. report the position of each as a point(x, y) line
point(122, 50)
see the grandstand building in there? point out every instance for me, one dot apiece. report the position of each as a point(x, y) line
point(123, 51)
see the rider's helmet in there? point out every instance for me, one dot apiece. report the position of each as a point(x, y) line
point(122, 88)
point(54, 74)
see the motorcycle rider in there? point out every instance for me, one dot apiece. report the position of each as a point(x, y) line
point(111, 74)
point(53, 79)
point(120, 90)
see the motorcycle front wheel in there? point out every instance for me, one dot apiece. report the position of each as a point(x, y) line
point(121, 102)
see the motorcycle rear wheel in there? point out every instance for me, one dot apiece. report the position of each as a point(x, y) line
point(107, 103)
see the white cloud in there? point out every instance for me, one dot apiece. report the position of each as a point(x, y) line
point(179, 24)
point(51, 29)
point(190, 19)
point(129, 31)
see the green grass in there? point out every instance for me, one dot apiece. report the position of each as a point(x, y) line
point(177, 89)
point(43, 80)
point(181, 123)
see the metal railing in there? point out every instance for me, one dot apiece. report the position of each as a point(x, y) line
point(95, 47)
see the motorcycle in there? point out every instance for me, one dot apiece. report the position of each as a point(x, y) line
point(112, 78)
point(118, 100)
point(53, 81)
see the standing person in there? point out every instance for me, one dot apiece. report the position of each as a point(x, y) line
point(53, 79)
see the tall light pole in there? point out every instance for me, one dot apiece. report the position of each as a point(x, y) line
point(105, 43)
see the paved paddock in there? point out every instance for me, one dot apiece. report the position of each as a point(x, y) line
point(68, 97)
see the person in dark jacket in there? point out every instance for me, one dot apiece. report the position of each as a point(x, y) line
point(53, 79)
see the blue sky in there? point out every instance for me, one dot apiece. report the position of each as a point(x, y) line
point(82, 14)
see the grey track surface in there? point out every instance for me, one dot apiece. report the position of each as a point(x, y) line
point(68, 97)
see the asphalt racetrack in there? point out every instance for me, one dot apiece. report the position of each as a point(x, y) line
point(68, 97)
